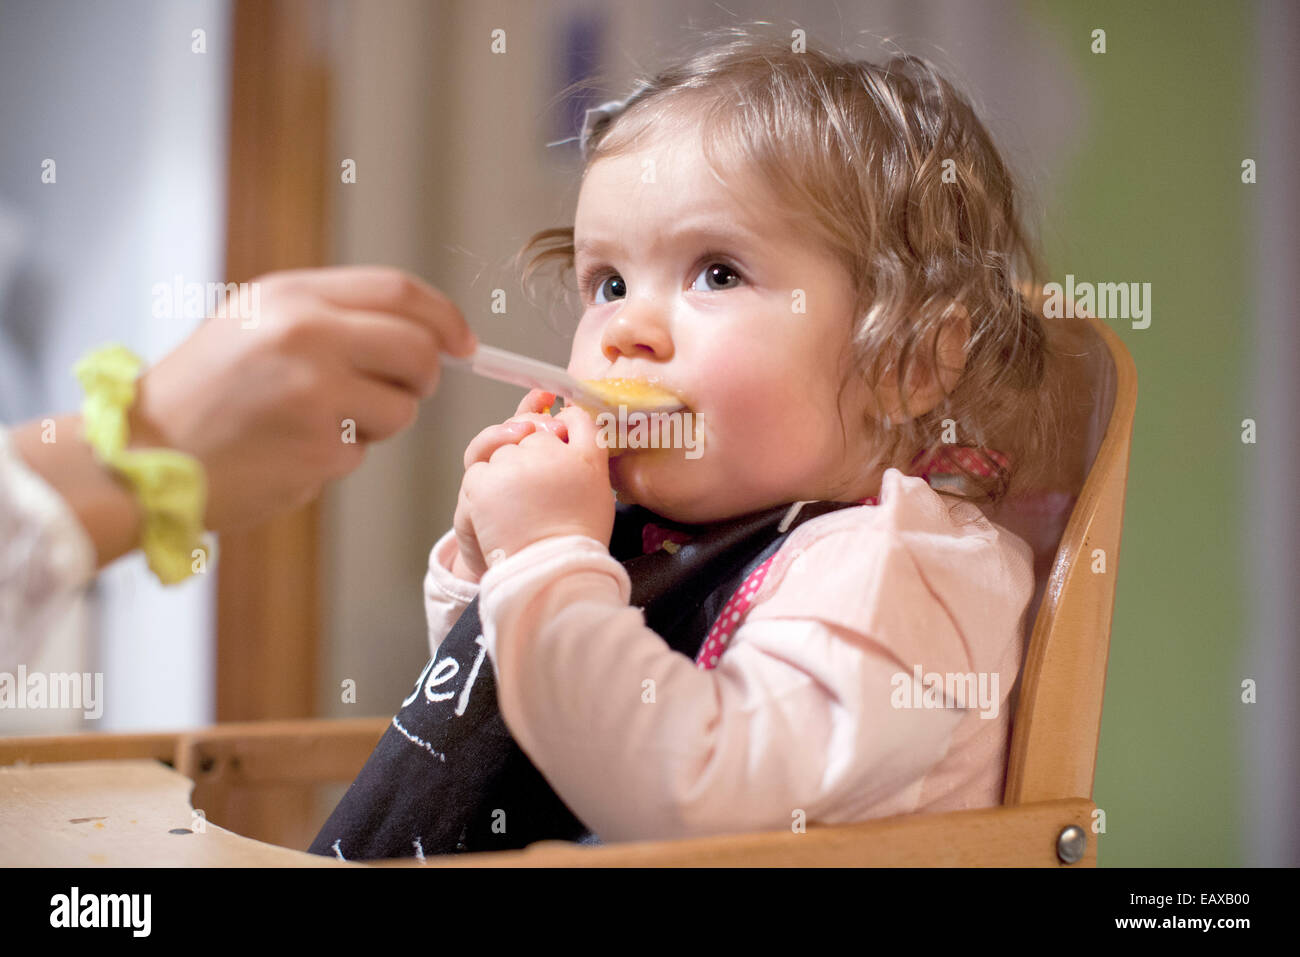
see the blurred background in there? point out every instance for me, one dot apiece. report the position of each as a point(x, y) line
point(208, 141)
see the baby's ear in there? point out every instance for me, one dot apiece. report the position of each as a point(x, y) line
point(953, 339)
point(929, 386)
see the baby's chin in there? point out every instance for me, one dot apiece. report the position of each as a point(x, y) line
point(679, 490)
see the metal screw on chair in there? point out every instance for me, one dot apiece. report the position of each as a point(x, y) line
point(1070, 844)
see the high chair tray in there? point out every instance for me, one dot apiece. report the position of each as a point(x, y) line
point(131, 813)
point(124, 807)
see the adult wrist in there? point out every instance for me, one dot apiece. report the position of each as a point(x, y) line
point(170, 487)
point(103, 505)
point(142, 431)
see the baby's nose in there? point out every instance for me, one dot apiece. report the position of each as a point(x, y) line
point(638, 331)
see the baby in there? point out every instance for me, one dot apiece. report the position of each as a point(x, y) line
point(811, 622)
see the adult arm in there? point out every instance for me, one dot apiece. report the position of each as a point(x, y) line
point(262, 402)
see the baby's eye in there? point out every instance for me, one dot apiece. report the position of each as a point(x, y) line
point(617, 288)
point(717, 276)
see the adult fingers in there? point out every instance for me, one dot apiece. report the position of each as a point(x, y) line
point(386, 289)
point(387, 348)
point(376, 409)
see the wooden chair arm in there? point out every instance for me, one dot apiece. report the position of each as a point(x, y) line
point(60, 748)
point(1022, 835)
point(279, 752)
point(251, 752)
point(133, 813)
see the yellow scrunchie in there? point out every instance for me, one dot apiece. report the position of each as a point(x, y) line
point(171, 486)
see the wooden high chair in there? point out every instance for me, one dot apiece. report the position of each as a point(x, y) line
point(1047, 815)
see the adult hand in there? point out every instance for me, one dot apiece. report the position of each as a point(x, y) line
point(264, 404)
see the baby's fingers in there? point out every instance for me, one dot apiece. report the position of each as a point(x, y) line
point(536, 401)
point(482, 446)
point(581, 428)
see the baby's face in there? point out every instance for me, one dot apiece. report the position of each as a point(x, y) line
point(700, 292)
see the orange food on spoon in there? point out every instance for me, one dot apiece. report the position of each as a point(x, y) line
point(633, 393)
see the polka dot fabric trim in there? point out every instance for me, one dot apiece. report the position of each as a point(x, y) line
point(943, 462)
point(733, 613)
point(729, 620)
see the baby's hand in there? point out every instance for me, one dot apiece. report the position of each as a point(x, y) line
point(535, 476)
point(531, 413)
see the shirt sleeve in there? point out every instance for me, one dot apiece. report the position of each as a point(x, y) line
point(643, 745)
point(445, 595)
point(45, 557)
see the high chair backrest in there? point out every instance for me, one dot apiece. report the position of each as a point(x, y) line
point(1072, 521)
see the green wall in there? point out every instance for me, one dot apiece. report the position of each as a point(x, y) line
point(1155, 195)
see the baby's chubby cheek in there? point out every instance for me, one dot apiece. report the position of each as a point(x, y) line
point(753, 432)
point(586, 359)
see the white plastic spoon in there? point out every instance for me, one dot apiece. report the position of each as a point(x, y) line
point(602, 395)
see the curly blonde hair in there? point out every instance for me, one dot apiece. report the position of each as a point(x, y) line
point(893, 171)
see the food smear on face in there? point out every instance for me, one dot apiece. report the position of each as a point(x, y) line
point(632, 393)
point(647, 416)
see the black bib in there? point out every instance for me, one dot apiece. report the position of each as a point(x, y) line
point(448, 777)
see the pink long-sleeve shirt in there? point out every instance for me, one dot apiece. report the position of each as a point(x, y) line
point(834, 702)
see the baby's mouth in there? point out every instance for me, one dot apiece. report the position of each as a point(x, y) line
point(649, 419)
point(636, 395)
